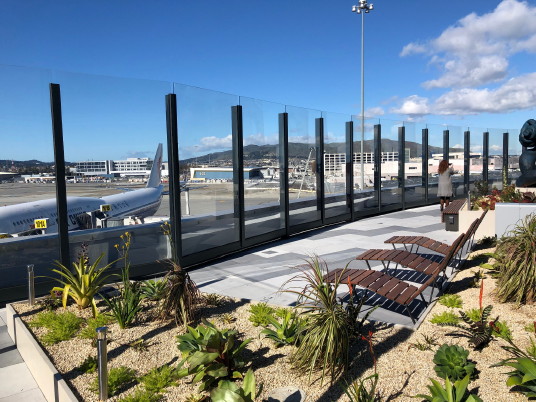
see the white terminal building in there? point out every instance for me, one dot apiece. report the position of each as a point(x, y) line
point(130, 167)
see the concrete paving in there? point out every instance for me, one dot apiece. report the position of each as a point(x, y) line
point(260, 274)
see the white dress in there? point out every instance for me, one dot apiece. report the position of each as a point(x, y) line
point(444, 187)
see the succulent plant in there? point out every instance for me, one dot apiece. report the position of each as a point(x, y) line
point(452, 363)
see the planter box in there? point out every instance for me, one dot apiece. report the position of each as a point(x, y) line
point(508, 214)
point(54, 387)
point(487, 226)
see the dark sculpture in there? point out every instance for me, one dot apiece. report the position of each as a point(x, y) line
point(527, 160)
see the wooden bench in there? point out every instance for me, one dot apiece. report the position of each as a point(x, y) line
point(453, 208)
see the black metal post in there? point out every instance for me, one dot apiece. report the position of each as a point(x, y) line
point(505, 160)
point(378, 163)
point(466, 161)
point(174, 178)
point(59, 161)
point(283, 172)
point(238, 171)
point(402, 164)
point(425, 155)
point(485, 157)
point(350, 167)
point(446, 145)
point(320, 189)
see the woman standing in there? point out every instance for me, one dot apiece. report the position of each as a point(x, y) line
point(444, 187)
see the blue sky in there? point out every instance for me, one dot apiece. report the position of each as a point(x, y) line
point(455, 63)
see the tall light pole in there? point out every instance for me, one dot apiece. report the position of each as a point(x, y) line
point(362, 9)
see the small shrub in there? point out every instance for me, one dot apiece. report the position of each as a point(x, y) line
point(501, 330)
point(228, 318)
point(90, 331)
point(153, 289)
point(427, 344)
point(451, 300)
point(531, 328)
point(118, 378)
point(52, 301)
point(259, 314)
point(445, 318)
point(159, 378)
point(89, 365)
point(214, 299)
point(142, 396)
point(230, 391)
point(212, 355)
point(473, 314)
point(61, 326)
point(140, 344)
point(450, 392)
point(196, 398)
point(451, 362)
point(364, 390)
point(286, 332)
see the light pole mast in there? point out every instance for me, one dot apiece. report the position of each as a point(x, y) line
point(362, 8)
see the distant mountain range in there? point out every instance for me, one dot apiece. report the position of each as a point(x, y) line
point(301, 150)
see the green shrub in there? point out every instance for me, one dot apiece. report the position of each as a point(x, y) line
point(426, 344)
point(480, 331)
point(473, 314)
point(327, 328)
point(286, 332)
point(230, 391)
point(363, 390)
point(211, 354)
point(516, 263)
point(118, 378)
point(159, 379)
point(61, 326)
point(451, 300)
point(142, 396)
point(90, 331)
point(450, 392)
point(89, 365)
point(501, 330)
point(259, 314)
point(445, 318)
point(451, 362)
point(154, 289)
point(82, 282)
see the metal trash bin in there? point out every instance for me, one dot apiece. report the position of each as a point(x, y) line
point(452, 222)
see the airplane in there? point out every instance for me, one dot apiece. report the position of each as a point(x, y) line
point(83, 212)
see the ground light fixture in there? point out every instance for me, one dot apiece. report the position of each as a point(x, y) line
point(363, 8)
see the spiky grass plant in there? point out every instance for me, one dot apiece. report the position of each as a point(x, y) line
point(445, 318)
point(259, 313)
point(182, 295)
point(61, 326)
point(90, 331)
point(516, 263)
point(326, 329)
point(158, 379)
point(118, 378)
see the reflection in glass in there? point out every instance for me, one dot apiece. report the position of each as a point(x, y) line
point(391, 193)
point(365, 196)
point(514, 151)
point(335, 164)
point(205, 150)
point(414, 190)
point(262, 178)
point(302, 154)
point(456, 158)
point(435, 155)
point(495, 159)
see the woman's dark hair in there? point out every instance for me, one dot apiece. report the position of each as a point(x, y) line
point(443, 165)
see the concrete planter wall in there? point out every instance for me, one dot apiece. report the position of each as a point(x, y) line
point(497, 222)
point(54, 388)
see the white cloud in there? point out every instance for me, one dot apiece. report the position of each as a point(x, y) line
point(475, 51)
point(214, 144)
point(515, 94)
point(374, 112)
point(495, 148)
point(413, 106)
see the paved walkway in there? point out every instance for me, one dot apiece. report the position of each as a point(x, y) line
point(259, 273)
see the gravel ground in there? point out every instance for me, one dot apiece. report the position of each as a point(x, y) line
point(403, 370)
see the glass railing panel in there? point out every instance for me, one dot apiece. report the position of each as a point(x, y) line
point(335, 164)
point(113, 128)
point(495, 159)
point(262, 161)
point(391, 190)
point(514, 151)
point(456, 158)
point(414, 186)
point(304, 202)
point(476, 163)
point(27, 178)
point(365, 196)
point(205, 149)
point(435, 155)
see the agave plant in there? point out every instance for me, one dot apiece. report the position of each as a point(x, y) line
point(287, 331)
point(456, 392)
point(327, 332)
point(83, 282)
point(516, 263)
point(452, 363)
point(229, 391)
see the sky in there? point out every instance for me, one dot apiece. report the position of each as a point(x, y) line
point(464, 64)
